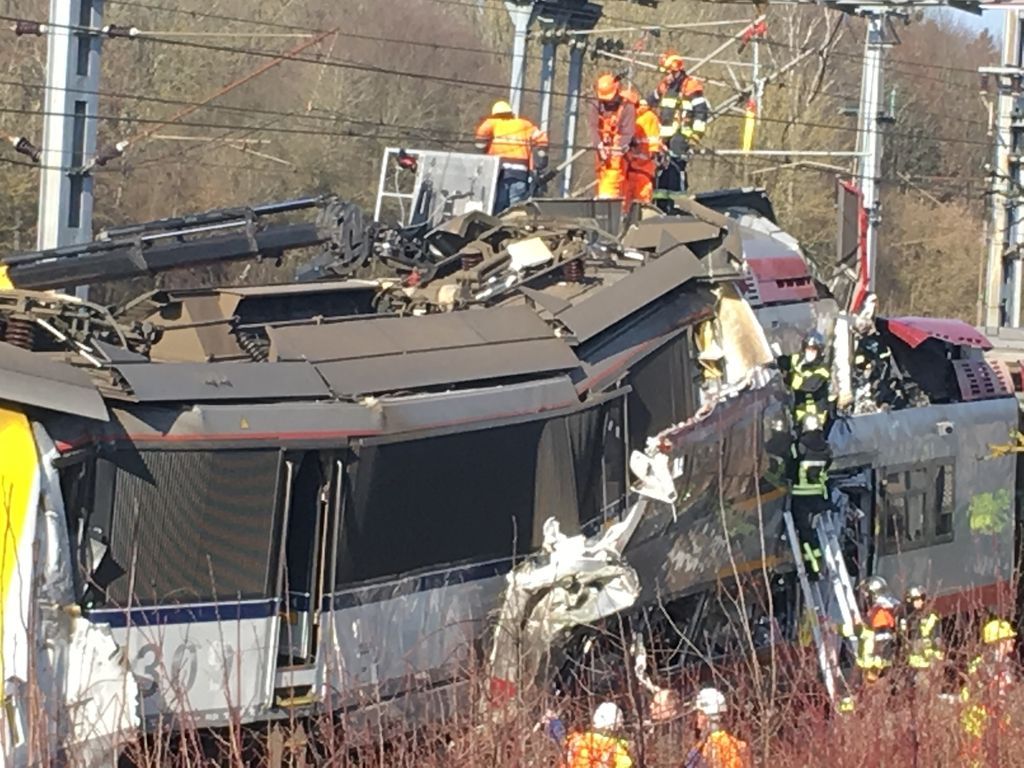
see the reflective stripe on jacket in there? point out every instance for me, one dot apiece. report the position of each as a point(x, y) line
point(646, 141)
point(613, 129)
point(811, 479)
point(810, 384)
point(874, 649)
point(920, 635)
point(512, 139)
point(682, 108)
point(987, 684)
point(596, 750)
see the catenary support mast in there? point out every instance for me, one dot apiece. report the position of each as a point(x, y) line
point(1003, 269)
point(69, 125)
point(869, 134)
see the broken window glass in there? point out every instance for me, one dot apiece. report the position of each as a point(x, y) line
point(918, 506)
point(915, 507)
point(895, 520)
point(944, 502)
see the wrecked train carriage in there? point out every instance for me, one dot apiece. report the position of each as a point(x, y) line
point(274, 512)
point(936, 482)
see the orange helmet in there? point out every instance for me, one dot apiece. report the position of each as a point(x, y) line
point(631, 95)
point(607, 87)
point(671, 62)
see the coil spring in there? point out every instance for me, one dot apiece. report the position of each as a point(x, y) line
point(573, 271)
point(470, 260)
point(257, 348)
point(20, 333)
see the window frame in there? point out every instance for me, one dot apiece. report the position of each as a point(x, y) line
point(938, 505)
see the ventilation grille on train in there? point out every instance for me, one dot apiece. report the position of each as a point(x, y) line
point(982, 380)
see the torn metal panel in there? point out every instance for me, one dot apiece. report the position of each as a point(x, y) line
point(554, 305)
point(435, 367)
point(32, 379)
point(665, 232)
point(916, 330)
point(199, 382)
point(737, 201)
point(607, 360)
point(380, 337)
point(114, 354)
point(744, 343)
point(656, 278)
point(578, 583)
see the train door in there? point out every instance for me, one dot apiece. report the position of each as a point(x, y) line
point(308, 525)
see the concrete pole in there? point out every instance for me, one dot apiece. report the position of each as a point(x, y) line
point(520, 14)
point(572, 108)
point(69, 125)
point(1015, 158)
point(869, 136)
point(547, 82)
point(1004, 234)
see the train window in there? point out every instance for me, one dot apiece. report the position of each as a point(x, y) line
point(917, 507)
point(441, 500)
point(945, 502)
point(188, 527)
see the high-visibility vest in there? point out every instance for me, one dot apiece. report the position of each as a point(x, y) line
point(608, 121)
point(682, 110)
point(876, 638)
point(920, 635)
point(719, 749)
point(646, 141)
point(596, 750)
point(513, 139)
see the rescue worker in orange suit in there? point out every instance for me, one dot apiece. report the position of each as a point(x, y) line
point(522, 147)
point(683, 112)
point(599, 747)
point(715, 747)
point(642, 161)
point(613, 125)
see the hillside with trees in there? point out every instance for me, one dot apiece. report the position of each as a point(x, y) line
point(422, 73)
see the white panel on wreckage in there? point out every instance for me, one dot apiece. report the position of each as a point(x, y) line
point(85, 701)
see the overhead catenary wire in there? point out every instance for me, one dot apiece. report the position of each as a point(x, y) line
point(489, 87)
point(692, 27)
point(365, 67)
point(461, 137)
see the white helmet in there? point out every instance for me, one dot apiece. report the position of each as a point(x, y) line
point(710, 701)
point(607, 717)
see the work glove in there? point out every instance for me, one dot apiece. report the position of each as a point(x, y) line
point(540, 160)
point(603, 153)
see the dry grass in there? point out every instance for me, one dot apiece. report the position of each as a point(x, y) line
point(786, 721)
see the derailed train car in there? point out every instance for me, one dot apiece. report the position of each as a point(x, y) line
point(922, 494)
point(234, 505)
point(261, 501)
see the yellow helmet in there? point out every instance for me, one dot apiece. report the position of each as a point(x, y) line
point(997, 630)
point(501, 108)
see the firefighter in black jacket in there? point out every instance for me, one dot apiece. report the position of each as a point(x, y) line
point(810, 380)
